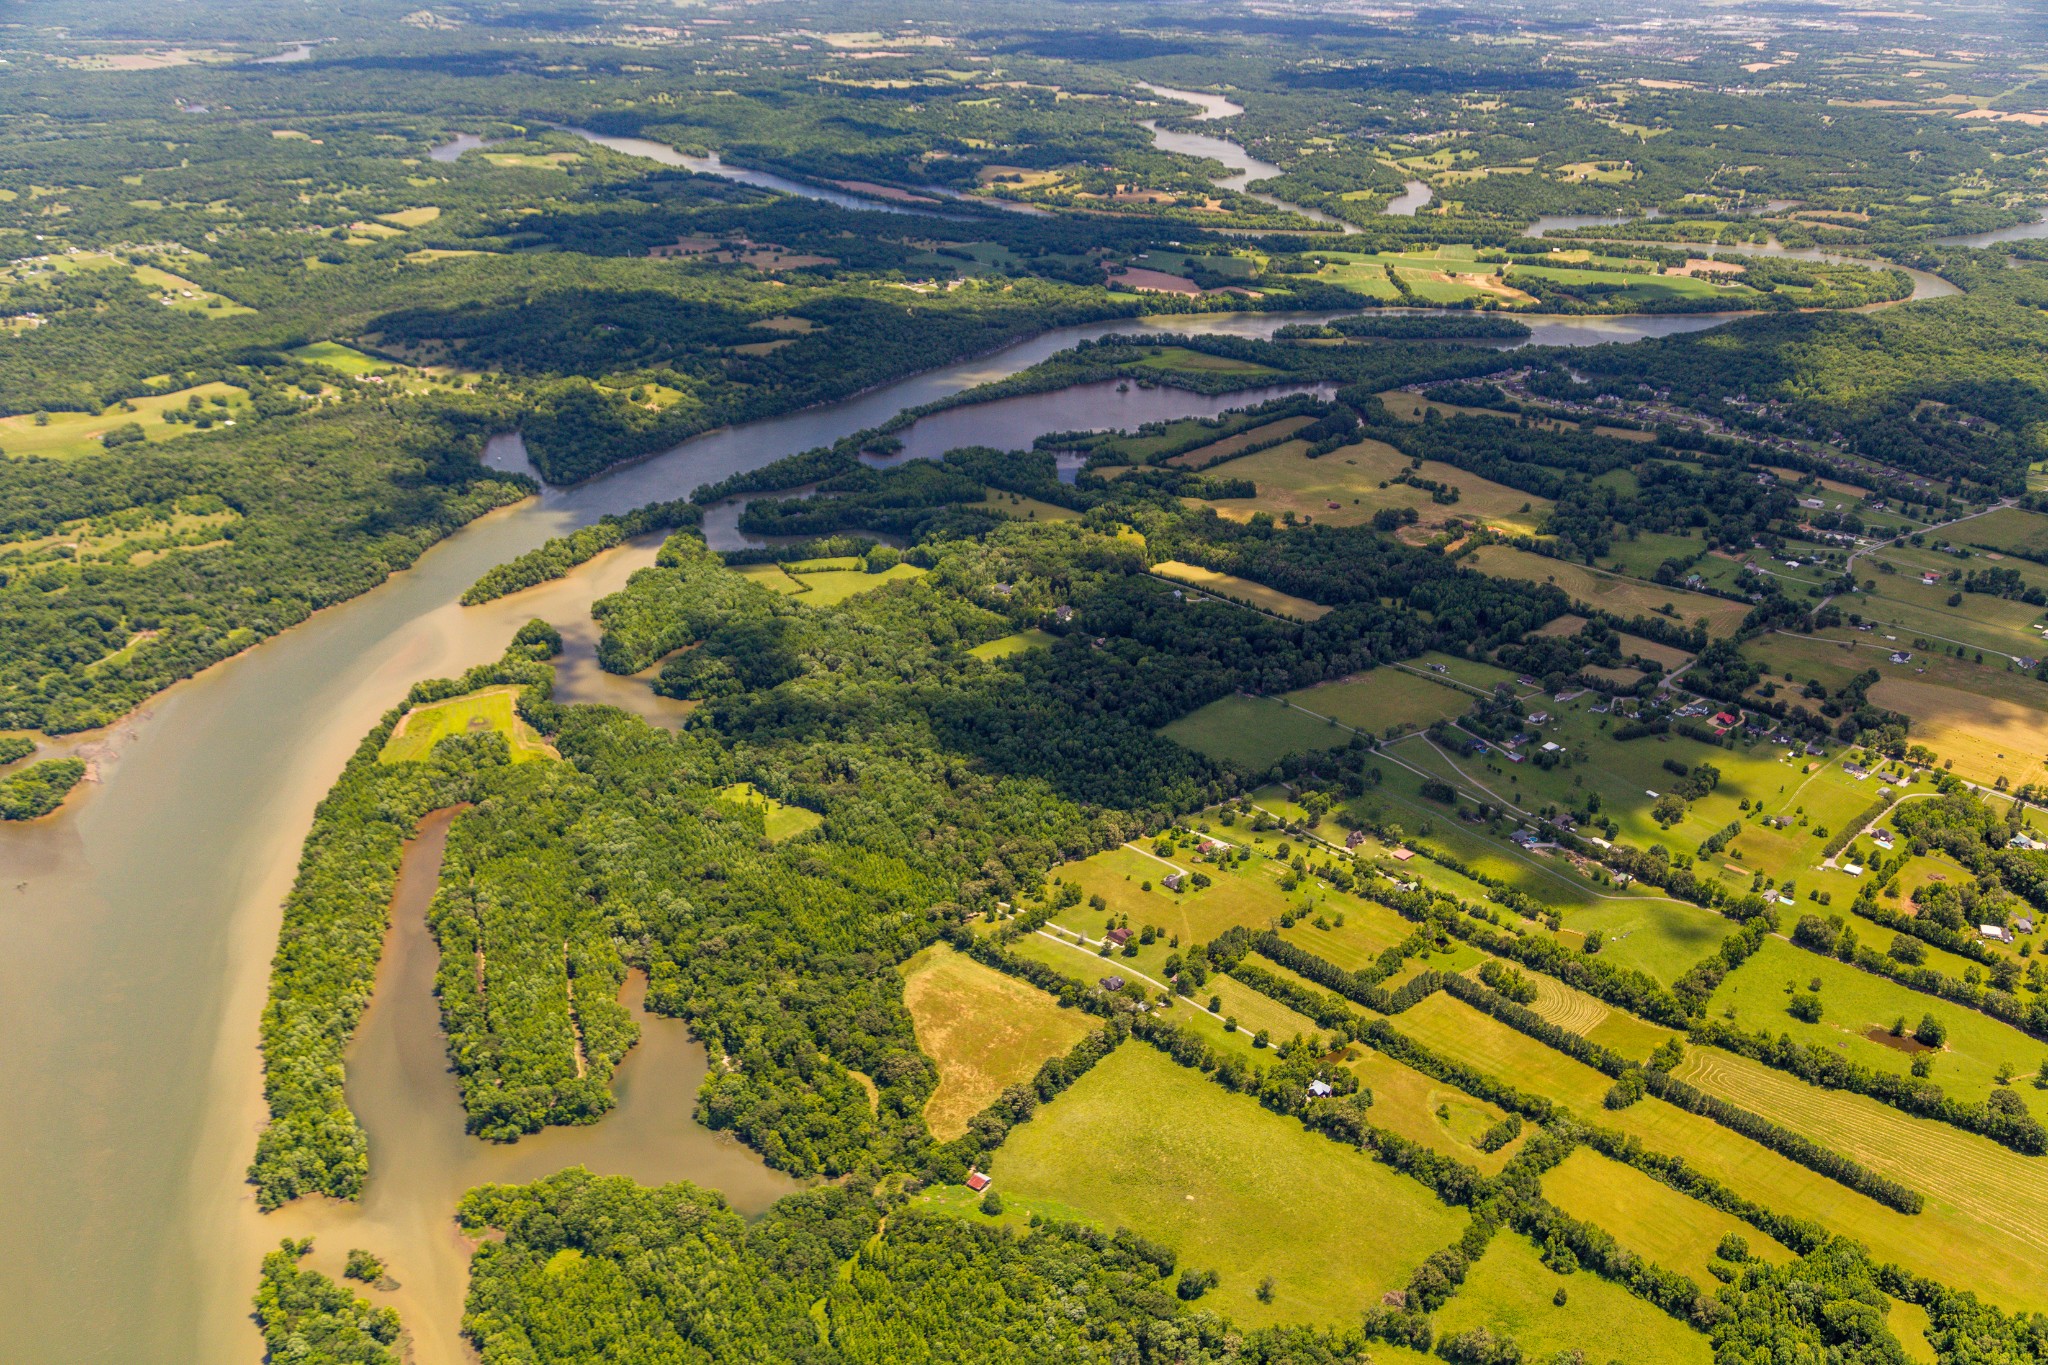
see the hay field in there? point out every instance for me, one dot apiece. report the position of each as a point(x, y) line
point(1623, 596)
point(1241, 590)
point(1648, 1217)
point(1288, 481)
point(1989, 737)
point(1509, 1293)
point(1230, 445)
point(1143, 1143)
point(1986, 1224)
point(986, 1031)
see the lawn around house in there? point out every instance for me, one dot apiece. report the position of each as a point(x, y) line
point(1144, 1143)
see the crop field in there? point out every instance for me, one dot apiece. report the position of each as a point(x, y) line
point(1648, 1217)
point(1382, 699)
point(67, 435)
point(1988, 737)
point(1143, 1143)
point(425, 726)
point(986, 1031)
point(1023, 642)
point(1253, 732)
point(1987, 1217)
point(1623, 596)
point(1241, 590)
point(781, 822)
point(1858, 1010)
point(1511, 1292)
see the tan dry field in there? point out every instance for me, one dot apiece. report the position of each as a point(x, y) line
point(1242, 590)
point(1988, 737)
point(986, 1031)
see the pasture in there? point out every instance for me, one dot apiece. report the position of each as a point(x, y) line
point(67, 435)
point(1511, 1292)
point(1199, 362)
point(1217, 451)
point(1624, 597)
point(1357, 479)
point(1252, 732)
point(1858, 1010)
point(1441, 1117)
point(985, 1031)
point(1143, 1143)
point(2009, 529)
point(421, 728)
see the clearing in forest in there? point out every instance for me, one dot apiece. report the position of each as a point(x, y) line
point(1242, 590)
point(781, 822)
point(491, 709)
point(1513, 1294)
point(985, 1031)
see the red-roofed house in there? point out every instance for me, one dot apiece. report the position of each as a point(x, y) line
point(976, 1181)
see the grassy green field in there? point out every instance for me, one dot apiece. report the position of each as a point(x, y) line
point(1022, 642)
point(782, 822)
point(986, 1031)
point(1201, 362)
point(341, 359)
point(1440, 1117)
point(1241, 590)
point(66, 435)
point(1253, 732)
point(1648, 1217)
point(827, 583)
point(1510, 1292)
point(1858, 1010)
point(1023, 508)
point(425, 726)
point(2008, 528)
point(1356, 478)
point(1230, 445)
point(1143, 1143)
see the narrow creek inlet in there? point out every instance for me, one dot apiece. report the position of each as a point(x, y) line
point(421, 1161)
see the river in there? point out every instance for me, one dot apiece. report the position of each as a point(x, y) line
point(136, 926)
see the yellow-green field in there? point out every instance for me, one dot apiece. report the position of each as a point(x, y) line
point(1649, 1217)
point(1351, 477)
point(1230, 445)
point(2008, 528)
point(1858, 1009)
point(826, 582)
point(341, 359)
point(1511, 1293)
point(986, 1031)
point(780, 822)
point(1623, 596)
point(1143, 1143)
point(1201, 362)
point(1021, 643)
point(66, 435)
point(425, 726)
point(1986, 1220)
point(1241, 590)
